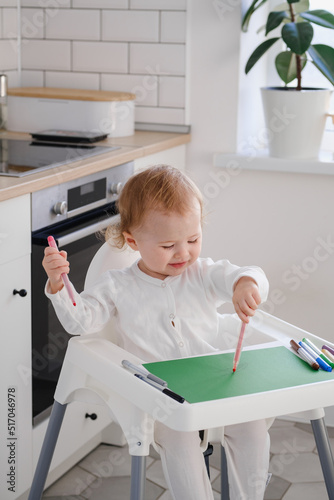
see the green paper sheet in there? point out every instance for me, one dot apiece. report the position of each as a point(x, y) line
point(206, 378)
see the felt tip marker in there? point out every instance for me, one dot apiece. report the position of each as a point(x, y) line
point(239, 347)
point(329, 349)
point(320, 361)
point(328, 354)
point(64, 276)
point(166, 391)
point(318, 352)
point(142, 371)
point(304, 355)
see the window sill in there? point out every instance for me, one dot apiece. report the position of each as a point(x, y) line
point(324, 165)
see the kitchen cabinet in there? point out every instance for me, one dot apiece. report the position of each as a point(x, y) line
point(15, 382)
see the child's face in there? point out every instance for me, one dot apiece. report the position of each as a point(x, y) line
point(168, 243)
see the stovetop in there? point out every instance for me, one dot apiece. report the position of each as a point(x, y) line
point(23, 157)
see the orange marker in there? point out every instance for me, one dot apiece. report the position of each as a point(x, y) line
point(239, 347)
point(64, 276)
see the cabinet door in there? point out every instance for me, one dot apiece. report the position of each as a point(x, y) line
point(15, 232)
point(15, 380)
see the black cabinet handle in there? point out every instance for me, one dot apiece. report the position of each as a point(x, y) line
point(22, 292)
point(93, 416)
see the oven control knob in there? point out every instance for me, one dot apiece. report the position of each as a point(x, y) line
point(60, 208)
point(116, 187)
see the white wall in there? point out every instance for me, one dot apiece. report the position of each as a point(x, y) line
point(9, 58)
point(121, 45)
point(275, 220)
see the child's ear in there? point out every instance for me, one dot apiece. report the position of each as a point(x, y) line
point(130, 240)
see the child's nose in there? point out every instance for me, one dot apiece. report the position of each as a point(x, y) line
point(181, 252)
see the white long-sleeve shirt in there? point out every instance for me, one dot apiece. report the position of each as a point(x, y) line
point(158, 319)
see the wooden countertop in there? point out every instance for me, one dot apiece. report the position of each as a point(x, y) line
point(138, 145)
point(71, 94)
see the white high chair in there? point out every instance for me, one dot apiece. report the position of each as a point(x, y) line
point(91, 373)
point(87, 376)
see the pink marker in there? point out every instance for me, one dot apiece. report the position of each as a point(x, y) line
point(239, 347)
point(64, 276)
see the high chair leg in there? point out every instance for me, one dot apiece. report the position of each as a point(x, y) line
point(325, 454)
point(46, 454)
point(138, 477)
point(225, 491)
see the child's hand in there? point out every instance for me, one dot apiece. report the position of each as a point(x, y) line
point(246, 298)
point(55, 264)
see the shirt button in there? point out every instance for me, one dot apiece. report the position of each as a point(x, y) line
point(171, 316)
point(181, 344)
point(163, 285)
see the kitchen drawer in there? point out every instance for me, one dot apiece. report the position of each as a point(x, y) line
point(15, 228)
point(78, 436)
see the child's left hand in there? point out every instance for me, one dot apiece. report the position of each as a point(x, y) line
point(246, 298)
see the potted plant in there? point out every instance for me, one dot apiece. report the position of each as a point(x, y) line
point(304, 108)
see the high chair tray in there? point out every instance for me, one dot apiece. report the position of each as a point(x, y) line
point(255, 391)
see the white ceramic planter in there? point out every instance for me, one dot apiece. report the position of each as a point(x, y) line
point(295, 121)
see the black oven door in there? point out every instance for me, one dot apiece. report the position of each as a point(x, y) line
point(81, 239)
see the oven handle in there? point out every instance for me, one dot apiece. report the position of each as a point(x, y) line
point(86, 231)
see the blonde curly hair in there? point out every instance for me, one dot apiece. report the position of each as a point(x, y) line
point(160, 187)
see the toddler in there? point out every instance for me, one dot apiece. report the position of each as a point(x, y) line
point(166, 307)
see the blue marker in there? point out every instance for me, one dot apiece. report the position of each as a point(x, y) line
point(320, 361)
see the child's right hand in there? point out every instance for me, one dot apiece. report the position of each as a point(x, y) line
point(55, 264)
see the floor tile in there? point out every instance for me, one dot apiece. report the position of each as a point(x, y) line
point(291, 440)
point(118, 488)
point(303, 467)
point(216, 484)
point(276, 488)
point(306, 492)
point(107, 461)
point(214, 473)
point(154, 473)
point(73, 482)
point(166, 496)
point(71, 497)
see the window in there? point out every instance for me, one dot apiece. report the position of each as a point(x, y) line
point(311, 77)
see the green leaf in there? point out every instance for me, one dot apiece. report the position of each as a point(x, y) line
point(274, 20)
point(250, 11)
point(321, 17)
point(258, 52)
point(297, 36)
point(323, 59)
point(286, 65)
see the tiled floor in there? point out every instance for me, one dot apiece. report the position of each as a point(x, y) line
point(105, 473)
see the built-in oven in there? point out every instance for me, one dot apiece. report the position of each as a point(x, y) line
point(74, 213)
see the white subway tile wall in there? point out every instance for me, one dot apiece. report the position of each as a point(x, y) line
point(136, 46)
point(32, 23)
point(9, 23)
point(8, 3)
point(46, 55)
point(8, 55)
point(70, 24)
